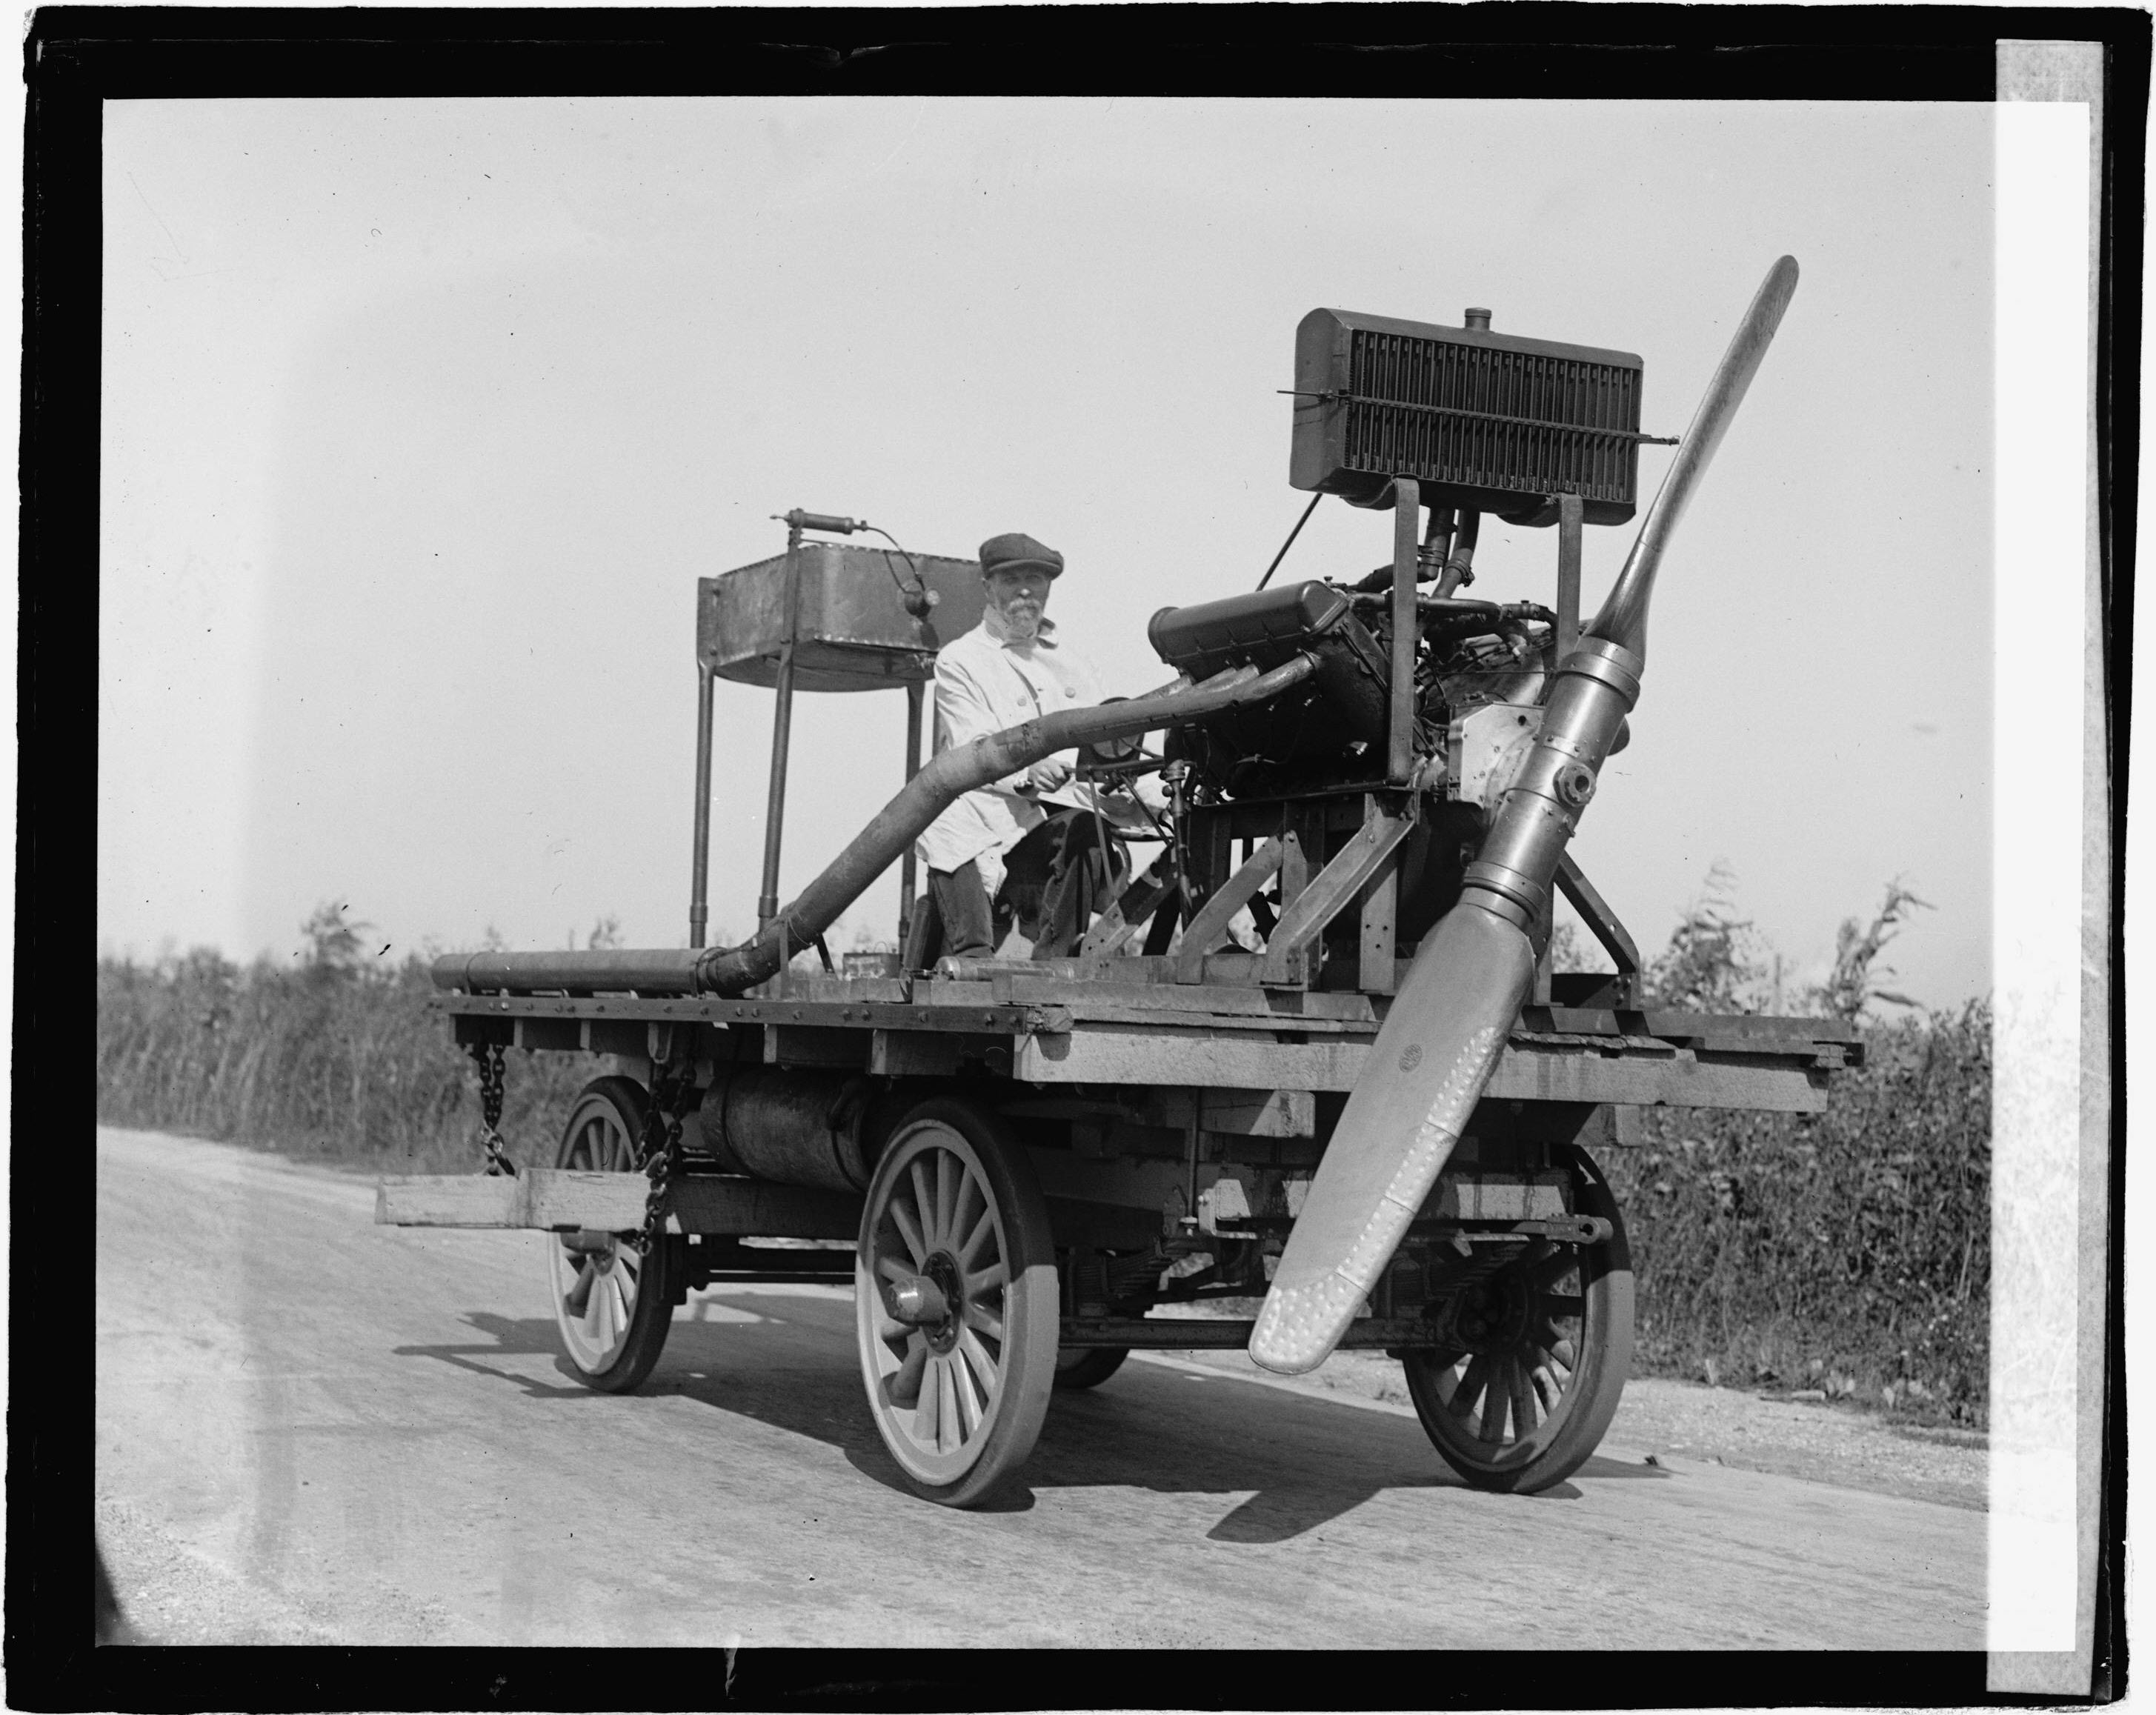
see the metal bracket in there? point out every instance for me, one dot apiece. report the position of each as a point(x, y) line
point(1601, 922)
point(1571, 1229)
point(1571, 513)
point(659, 1043)
point(1407, 532)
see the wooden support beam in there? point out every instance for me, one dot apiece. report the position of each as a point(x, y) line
point(556, 1199)
point(1330, 892)
point(1162, 1054)
point(1211, 922)
point(1380, 913)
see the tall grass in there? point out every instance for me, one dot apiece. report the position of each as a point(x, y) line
point(1847, 1251)
point(324, 1060)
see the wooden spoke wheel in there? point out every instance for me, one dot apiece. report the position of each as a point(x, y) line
point(956, 1302)
point(1536, 1356)
point(1088, 1366)
point(613, 1305)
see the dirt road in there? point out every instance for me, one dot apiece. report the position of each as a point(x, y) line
point(310, 1428)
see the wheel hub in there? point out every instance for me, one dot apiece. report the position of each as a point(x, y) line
point(930, 1300)
point(941, 1270)
point(1492, 1316)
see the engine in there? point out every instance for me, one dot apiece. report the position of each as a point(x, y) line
point(1327, 734)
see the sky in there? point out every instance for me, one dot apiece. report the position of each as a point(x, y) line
point(421, 418)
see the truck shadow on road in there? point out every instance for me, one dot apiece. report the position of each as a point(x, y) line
point(790, 1364)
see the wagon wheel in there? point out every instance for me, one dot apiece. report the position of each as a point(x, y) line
point(956, 1302)
point(1525, 1388)
point(614, 1306)
point(1088, 1366)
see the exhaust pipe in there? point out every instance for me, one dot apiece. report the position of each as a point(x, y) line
point(1440, 1040)
point(734, 970)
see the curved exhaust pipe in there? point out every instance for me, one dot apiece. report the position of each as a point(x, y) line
point(946, 778)
point(1441, 1039)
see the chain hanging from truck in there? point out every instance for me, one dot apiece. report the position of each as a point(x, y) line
point(661, 1145)
point(487, 1056)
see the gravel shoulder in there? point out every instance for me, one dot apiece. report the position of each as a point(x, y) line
point(1674, 1422)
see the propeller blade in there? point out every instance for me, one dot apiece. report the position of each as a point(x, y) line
point(1623, 616)
point(1424, 1075)
point(1440, 1040)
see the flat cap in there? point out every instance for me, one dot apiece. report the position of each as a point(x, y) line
point(1016, 552)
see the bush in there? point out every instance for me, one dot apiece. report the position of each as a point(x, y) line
point(1848, 1251)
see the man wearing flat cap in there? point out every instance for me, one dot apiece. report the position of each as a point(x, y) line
point(1025, 848)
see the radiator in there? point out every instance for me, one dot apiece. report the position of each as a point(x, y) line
point(1493, 421)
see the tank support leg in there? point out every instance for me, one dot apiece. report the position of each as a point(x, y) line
point(782, 732)
point(914, 691)
point(700, 860)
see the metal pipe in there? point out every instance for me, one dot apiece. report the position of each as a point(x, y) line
point(665, 970)
point(1290, 543)
point(1623, 619)
point(906, 879)
point(800, 520)
point(1436, 544)
point(933, 788)
point(1407, 530)
point(1459, 564)
point(700, 856)
point(782, 726)
point(1430, 558)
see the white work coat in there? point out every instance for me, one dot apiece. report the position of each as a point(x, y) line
point(987, 680)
